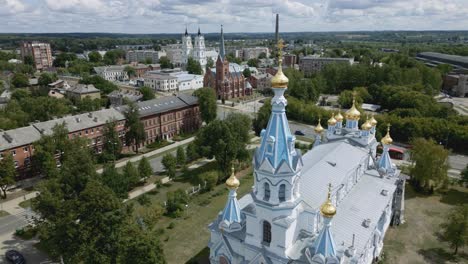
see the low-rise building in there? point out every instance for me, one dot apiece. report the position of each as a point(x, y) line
point(456, 84)
point(313, 64)
point(160, 81)
point(144, 55)
point(260, 81)
point(81, 91)
point(112, 73)
point(187, 81)
point(254, 53)
point(117, 98)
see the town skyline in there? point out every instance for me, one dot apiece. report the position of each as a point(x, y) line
point(153, 17)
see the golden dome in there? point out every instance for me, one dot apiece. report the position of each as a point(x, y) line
point(318, 129)
point(280, 80)
point(232, 182)
point(387, 140)
point(353, 113)
point(339, 117)
point(332, 120)
point(367, 125)
point(373, 121)
point(328, 209)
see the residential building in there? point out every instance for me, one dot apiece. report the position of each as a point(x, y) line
point(140, 69)
point(313, 64)
point(174, 53)
point(432, 59)
point(226, 78)
point(456, 84)
point(81, 91)
point(165, 117)
point(160, 81)
point(260, 81)
point(18, 143)
point(289, 60)
point(40, 52)
point(254, 53)
point(137, 56)
point(333, 204)
point(135, 47)
point(118, 98)
point(112, 73)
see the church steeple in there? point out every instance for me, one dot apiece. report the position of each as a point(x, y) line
point(222, 52)
point(385, 163)
point(231, 217)
point(186, 33)
point(199, 31)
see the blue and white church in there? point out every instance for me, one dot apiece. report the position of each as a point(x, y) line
point(332, 205)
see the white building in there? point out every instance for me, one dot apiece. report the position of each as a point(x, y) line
point(254, 53)
point(161, 82)
point(112, 73)
point(187, 81)
point(196, 51)
point(332, 205)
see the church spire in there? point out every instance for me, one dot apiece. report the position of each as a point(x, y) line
point(199, 31)
point(186, 33)
point(231, 216)
point(385, 163)
point(222, 52)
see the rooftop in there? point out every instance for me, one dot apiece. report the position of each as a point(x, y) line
point(163, 104)
point(436, 55)
point(84, 89)
point(18, 137)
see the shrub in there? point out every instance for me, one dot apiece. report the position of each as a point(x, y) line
point(144, 200)
point(171, 225)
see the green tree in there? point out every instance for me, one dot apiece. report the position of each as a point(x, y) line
point(142, 247)
point(194, 66)
point(47, 78)
point(246, 73)
point(144, 169)
point(94, 56)
point(252, 63)
point(262, 55)
point(169, 162)
point(100, 83)
point(113, 56)
point(131, 174)
point(263, 115)
point(148, 93)
point(431, 165)
point(209, 178)
point(207, 101)
point(112, 146)
point(7, 174)
point(176, 202)
point(209, 63)
point(180, 156)
point(191, 152)
point(20, 80)
point(464, 176)
point(62, 59)
point(130, 71)
point(28, 60)
point(165, 63)
point(455, 229)
point(117, 182)
point(135, 134)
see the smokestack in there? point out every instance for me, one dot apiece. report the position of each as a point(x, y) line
point(277, 29)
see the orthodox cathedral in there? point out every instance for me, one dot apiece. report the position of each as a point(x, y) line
point(196, 50)
point(332, 205)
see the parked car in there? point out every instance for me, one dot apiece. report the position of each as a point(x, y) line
point(299, 133)
point(15, 257)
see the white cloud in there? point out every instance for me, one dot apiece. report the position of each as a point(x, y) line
point(171, 16)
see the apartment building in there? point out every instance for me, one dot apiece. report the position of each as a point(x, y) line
point(144, 55)
point(314, 64)
point(40, 52)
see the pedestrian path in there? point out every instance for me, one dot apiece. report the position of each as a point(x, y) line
point(12, 206)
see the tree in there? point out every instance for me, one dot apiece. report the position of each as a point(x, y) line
point(130, 71)
point(150, 214)
point(28, 60)
point(209, 178)
point(209, 63)
point(142, 247)
point(207, 101)
point(47, 78)
point(7, 174)
point(112, 146)
point(246, 73)
point(169, 162)
point(147, 92)
point(194, 66)
point(464, 176)
point(165, 63)
point(180, 156)
point(94, 56)
point(262, 55)
point(176, 202)
point(263, 115)
point(455, 229)
point(191, 152)
point(100, 83)
point(20, 80)
point(144, 169)
point(131, 174)
point(135, 130)
point(62, 59)
point(431, 164)
point(113, 56)
point(117, 182)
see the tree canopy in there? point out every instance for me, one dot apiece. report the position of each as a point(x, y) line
point(194, 66)
point(207, 101)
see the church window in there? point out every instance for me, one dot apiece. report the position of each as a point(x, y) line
point(266, 232)
point(223, 260)
point(282, 193)
point(266, 187)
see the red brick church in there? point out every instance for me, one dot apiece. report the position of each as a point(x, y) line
point(226, 78)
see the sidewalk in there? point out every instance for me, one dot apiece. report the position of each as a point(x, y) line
point(152, 153)
point(12, 206)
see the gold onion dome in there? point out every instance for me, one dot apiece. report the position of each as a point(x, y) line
point(332, 120)
point(280, 80)
point(367, 125)
point(318, 129)
point(339, 117)
point(353, 113)
point(387, 140)
point(328, 209)
point(232, 182)
point(373, 121)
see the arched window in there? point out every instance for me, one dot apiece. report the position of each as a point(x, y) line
point(223, 260)
point(282, 193)
point(266, 232)
point(266, 187)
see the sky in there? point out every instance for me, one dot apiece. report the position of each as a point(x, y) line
point(172, 16)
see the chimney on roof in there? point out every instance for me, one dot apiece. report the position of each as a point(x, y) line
point(90, 114)
point(78, 119)
point(95, 119)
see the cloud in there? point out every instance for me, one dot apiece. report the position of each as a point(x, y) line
point(171, 16)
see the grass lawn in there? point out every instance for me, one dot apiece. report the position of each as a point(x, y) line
point(25, 204)
point(416, 241)
point(3, 213)
point(190, 233)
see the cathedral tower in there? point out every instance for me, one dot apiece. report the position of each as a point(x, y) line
point(198, 53)
point(186, 47)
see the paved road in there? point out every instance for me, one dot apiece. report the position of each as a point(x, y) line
point(458, 162)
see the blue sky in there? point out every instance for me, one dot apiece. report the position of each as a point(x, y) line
point(171, 16)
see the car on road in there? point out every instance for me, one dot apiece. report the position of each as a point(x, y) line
point(299, 133)
point(262, 101)
point(15, 257)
